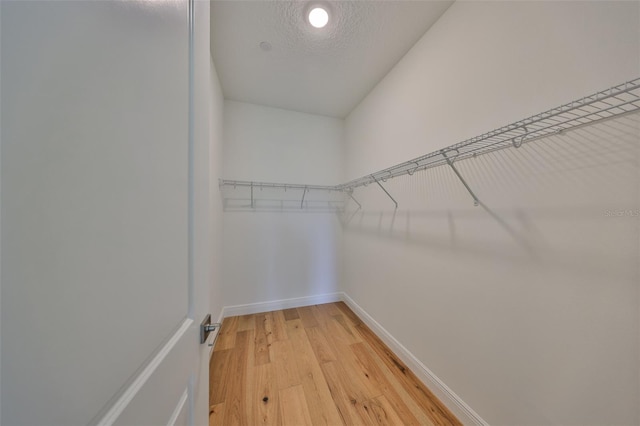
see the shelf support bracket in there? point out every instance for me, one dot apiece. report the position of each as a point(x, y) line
point(354, 200)
point(385, 191)
point(303, 194)
point(252, 203)
point(476, 202)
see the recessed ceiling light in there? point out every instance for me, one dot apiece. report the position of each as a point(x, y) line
point(318, 17)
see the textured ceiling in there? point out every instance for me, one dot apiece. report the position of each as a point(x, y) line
point(320, 71)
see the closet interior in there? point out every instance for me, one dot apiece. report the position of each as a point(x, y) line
point(477, 208)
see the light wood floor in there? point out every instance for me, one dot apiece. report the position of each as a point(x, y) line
point(316, 365)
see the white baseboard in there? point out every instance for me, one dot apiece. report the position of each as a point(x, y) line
point(453, 402)
point(275, 305)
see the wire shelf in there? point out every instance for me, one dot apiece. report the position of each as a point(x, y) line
point(614, 102)
point(269, 196)
point(271, 185)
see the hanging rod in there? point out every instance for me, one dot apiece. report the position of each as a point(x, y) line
point(604, 105)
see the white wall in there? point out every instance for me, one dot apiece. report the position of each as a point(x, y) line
point(272, 256)
point(528, 309)
point(277, 145)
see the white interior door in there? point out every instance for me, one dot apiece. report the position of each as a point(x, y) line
point(98, 297)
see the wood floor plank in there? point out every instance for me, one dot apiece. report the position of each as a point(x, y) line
point(283, 358)
point(349, 400)
point(293, 407)
point(341, 345)
point(373, 372)
point(216, 414)
point(320, 345)
point(319, 315)
point(355, 320)
point(236, 412)
point(262, 346)
point(307, 316)
point(369, 371)
point(246, 322)
point(328, 309)
point(250, 375)
point(266, 409)
point(276, 326)
point(295, 329)
point(400, 389)
point(348, 327)
point(227, 335)
point(219, 379)
point(338, 333)
point(437, 412)
point(319, 401)
point(384, 414)
point(290, 314)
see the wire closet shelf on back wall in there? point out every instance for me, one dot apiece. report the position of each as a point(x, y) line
point(614, 102)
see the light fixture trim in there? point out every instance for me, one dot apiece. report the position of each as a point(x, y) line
point(318, 17)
